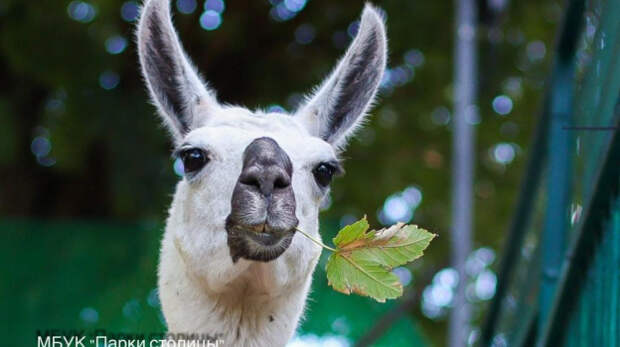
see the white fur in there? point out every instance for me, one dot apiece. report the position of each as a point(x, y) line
point(202, 291)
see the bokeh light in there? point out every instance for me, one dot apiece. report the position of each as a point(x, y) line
point(178, 167)
point(404, 275)
point(447, 277)
point(395, 209)
point(536, 51)
point(441, 115)
point(89, 315)
point(280, 13)
point(341, 325)
point(485, 285)
point(414, 57)
point(478, 260)
point(499, 340)
point(503, 153)
point(400, 207)
point(132, 309)
point(130, 11)
point(210, 20)
point(353, 28)
point(115, 44)
point(215, 5)
point(40, 146)
point(81, 11)
point(153, 298)
point(502, 105)
point(186, 6)
point(396, 77)
point(275, 108)
point(109, 80)
point(438, 295)
point(294, 5)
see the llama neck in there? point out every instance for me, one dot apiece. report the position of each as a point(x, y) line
point(246, 311)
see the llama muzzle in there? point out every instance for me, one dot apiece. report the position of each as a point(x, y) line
point(262, 220)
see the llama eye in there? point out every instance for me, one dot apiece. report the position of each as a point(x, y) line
point(193, 159)
point(323, 174)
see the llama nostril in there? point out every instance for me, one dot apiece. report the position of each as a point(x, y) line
point(266, 182)
point(281, 183)
point(265, 179)
point(250, 181)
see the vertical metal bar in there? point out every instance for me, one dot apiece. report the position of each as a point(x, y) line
point(559, 183)
point(560, 166)
point(465, 94)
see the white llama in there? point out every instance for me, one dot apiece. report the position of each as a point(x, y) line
point(231, 264)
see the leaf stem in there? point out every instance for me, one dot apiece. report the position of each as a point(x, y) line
point(316, 241)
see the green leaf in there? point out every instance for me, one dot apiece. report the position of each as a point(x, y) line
point(363, 260)
point(351, 232)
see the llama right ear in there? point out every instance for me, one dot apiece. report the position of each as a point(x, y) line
point(339, 105)
point(175, 86)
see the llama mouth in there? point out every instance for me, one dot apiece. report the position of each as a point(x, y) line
point(258, 242)
point(264, 238)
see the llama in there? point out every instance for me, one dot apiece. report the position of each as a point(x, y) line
point(231, 264)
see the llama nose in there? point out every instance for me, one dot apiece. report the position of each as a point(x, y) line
point(262, 220)
point(265, 178)
point(266, 167)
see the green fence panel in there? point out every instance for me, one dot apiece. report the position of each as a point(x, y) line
point(595, 319)
point(575, 302)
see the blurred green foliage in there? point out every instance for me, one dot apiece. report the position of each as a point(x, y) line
point(110, 158)
point(110, 289)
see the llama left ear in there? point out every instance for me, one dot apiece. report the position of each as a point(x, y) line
point(174, 84)
point(341, 102)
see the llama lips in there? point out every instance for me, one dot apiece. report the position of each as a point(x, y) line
point(258, 242)
point(264, 228)
point(258, 228)
point(265, 239)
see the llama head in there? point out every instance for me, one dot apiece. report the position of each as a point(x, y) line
point(252, 177)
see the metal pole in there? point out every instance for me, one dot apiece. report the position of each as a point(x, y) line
point(465, 94)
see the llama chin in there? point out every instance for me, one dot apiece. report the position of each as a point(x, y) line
point(231, 264)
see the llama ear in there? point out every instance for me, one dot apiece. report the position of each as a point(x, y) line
point(340, 103)
point(174, 85)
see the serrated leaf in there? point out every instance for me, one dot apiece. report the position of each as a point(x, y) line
point(351, 232)
point(363, 260)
